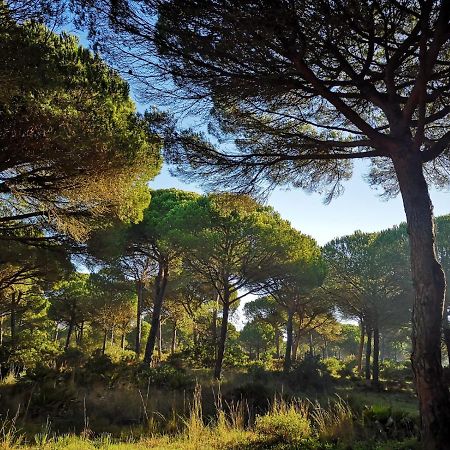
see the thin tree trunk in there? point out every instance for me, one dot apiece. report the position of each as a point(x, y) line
point(289, 338)
point(1, 330)
point(361, 346)
point(194, 333)
point(223, 336)
point(160, 289)
point(368, 352)
point(140, 301)
point(122, 341)
point(214, 327)
point(277, 343)
point(80, 335)
point(429, 284)
point(69, 333)
point(311, 344)
point(12, 318)
point(376, 357)
point(173, 347)
point(295, 344)
point(105, 337)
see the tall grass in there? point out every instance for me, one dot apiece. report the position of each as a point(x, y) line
point(333, 422)
point(295, 422)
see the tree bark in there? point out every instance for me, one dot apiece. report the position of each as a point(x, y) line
point(361, 346)
point(194, 333)
point(13, 317)
point(105, 337)
point(289, 337)
point(80, 334)
point(122, 341)
point(368, 352)
point(159, 339)
point(311, 344)
point(214, 328)
point(69, 333)
point(429, 284)
point(277, 343)
point(173, 346)
point(376, 357)
point(139, 307)
point(223, 336)
point(160, 289)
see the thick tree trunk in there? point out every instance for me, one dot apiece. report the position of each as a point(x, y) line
point(429, 284)
point(376, 357)
point(361, 346)
point(223, 336)
point(160, 289)
point(139, 307)
point(368, 352)
point(289, 338)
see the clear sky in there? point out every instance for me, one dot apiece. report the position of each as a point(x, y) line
point(359, 208)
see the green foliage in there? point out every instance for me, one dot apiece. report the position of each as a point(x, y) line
point(165, 376)
point(287, 423)
point(310, 373)
point(333, 366)
point(391, 370)
point(98, 152)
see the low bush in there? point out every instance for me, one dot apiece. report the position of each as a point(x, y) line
point(397, 371)
point(165, 376)
point(334, 366)
point(285, 422)
point(310, 374)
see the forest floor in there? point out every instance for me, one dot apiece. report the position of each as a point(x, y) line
point(243, 412)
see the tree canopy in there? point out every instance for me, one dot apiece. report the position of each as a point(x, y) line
point(74, 150)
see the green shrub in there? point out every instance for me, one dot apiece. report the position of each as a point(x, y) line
point(348, 369)
point(391, 370)
point(334, 366)
point(257, 371)
point(310, 373)
point(287, 423)
point(165, 376)
point(256, 396)
point(390, 423)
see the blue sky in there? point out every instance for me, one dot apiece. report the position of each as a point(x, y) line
point(359, 208)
